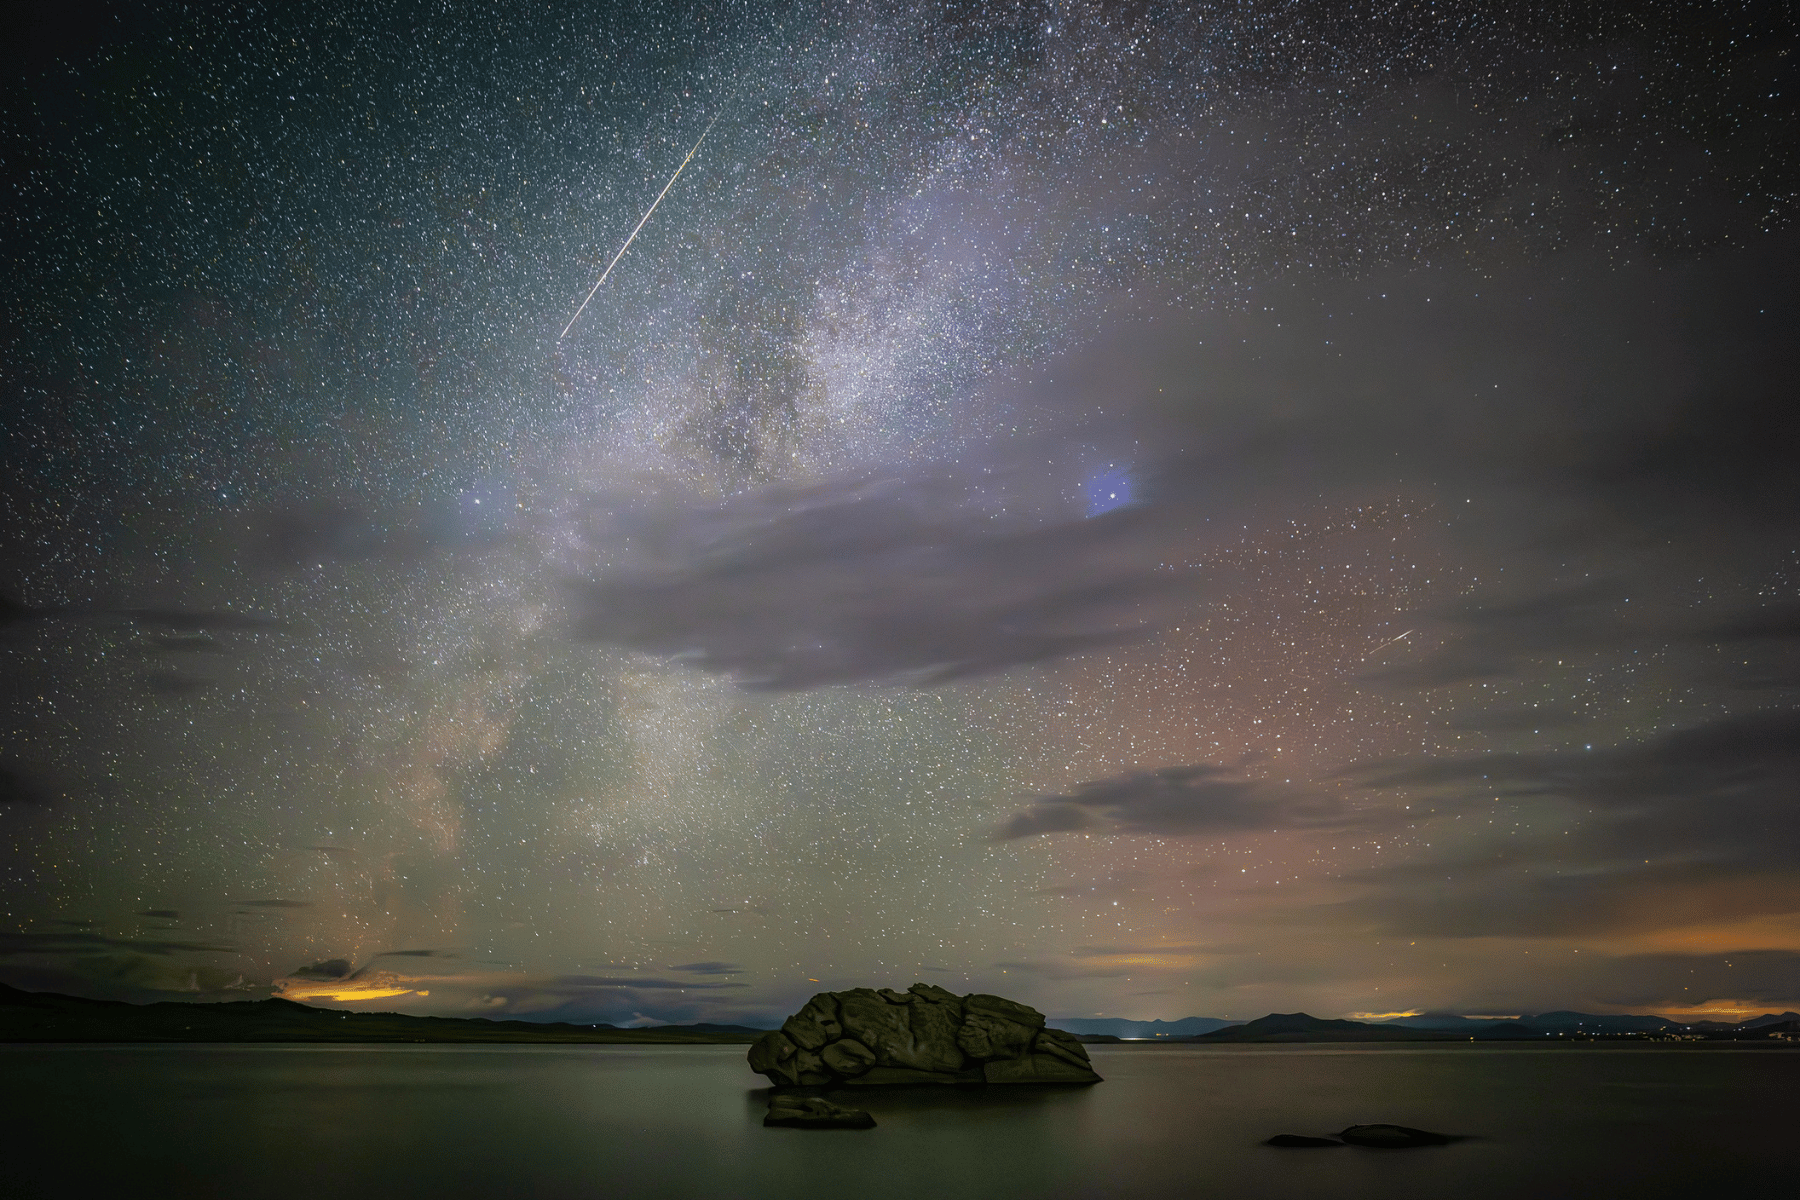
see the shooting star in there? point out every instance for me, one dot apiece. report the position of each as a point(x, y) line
point(642, 223)
point(1386, 644)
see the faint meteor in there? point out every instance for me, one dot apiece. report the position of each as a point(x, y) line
point(642, 223)
point(1386, 644)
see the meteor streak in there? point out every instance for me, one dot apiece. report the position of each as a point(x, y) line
point(641, 224)
point(1386, 644)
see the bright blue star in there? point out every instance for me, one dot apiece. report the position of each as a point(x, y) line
point(1107, 490)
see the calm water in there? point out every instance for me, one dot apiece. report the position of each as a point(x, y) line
point(618, 1121)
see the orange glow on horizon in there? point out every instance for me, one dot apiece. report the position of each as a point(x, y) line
point(1756, 933)
point(1722, 1010)
point(341, 991)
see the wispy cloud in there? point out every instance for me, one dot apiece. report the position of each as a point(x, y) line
point(87, 942)
point(709, 968)
point(641, 984)
point(1692, 825)
point(1189, 801)
point(876, 580)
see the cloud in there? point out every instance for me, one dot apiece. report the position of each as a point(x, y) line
point(1120, 961)
point(1140, 951)
point(1710, 985)
point(181, 620)
point(1694, 825)
point(1486, 640)
point(1756, 979)
point(1562, 896)
point(188, 643)
point(87, 942)
point(1606, 453)
point(275, 903)
point(1191, 801)
point(177, 620)
point(1067, 970)
point(1507, 720)
point(1496, 638)
point(319, 982)
point(307, 534)
point(1046, 817)
point(129, 975)
point(176, 683)
point(188, 621)
point(14, 613)
point(166, 914)
point(1765, 622)
point(899, 579)
point(24, 785)
point(635, 984)
point(1745, 764)
point(413, 954)
point(709, 968)
point(319, 532)
point(1115, 886)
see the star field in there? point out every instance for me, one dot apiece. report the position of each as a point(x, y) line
point(1056, 497)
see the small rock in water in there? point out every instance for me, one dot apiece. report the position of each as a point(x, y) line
point(815, 1112)
point(1299, 1141)
point(1394, 1137)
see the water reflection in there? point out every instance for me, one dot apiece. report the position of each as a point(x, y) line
point(550, 1122)
point(972, 1102)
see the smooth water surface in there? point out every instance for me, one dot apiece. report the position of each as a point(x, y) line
point(626, 1121)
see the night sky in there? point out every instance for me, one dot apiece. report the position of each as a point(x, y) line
point(1149, 510)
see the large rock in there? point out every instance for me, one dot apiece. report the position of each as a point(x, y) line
point(1065, 1046)
point(816, 1024)
point(884, 1022)
point(771, 1054)
point(993, 1028)
point(1036, 1068)
point(848, 1057)
point(925, 1034)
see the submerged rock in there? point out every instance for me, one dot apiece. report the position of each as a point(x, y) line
point(815, 1112)
point(1394, 1137)
point(925, 1034)
point(1299, 1141)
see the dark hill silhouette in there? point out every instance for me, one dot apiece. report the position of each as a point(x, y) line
point(1302, 1027)
point(51, 1017)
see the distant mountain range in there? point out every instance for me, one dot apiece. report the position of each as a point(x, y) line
point(1590, 1023)
point(1299, 1027)
point(50, 1017)
point(1429, 1027)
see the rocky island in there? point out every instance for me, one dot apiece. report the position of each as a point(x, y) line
point(925, 1034)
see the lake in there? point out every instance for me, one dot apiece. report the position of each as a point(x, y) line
point(394, 1121)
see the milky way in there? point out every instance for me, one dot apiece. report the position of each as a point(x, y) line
point(1187, 510)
